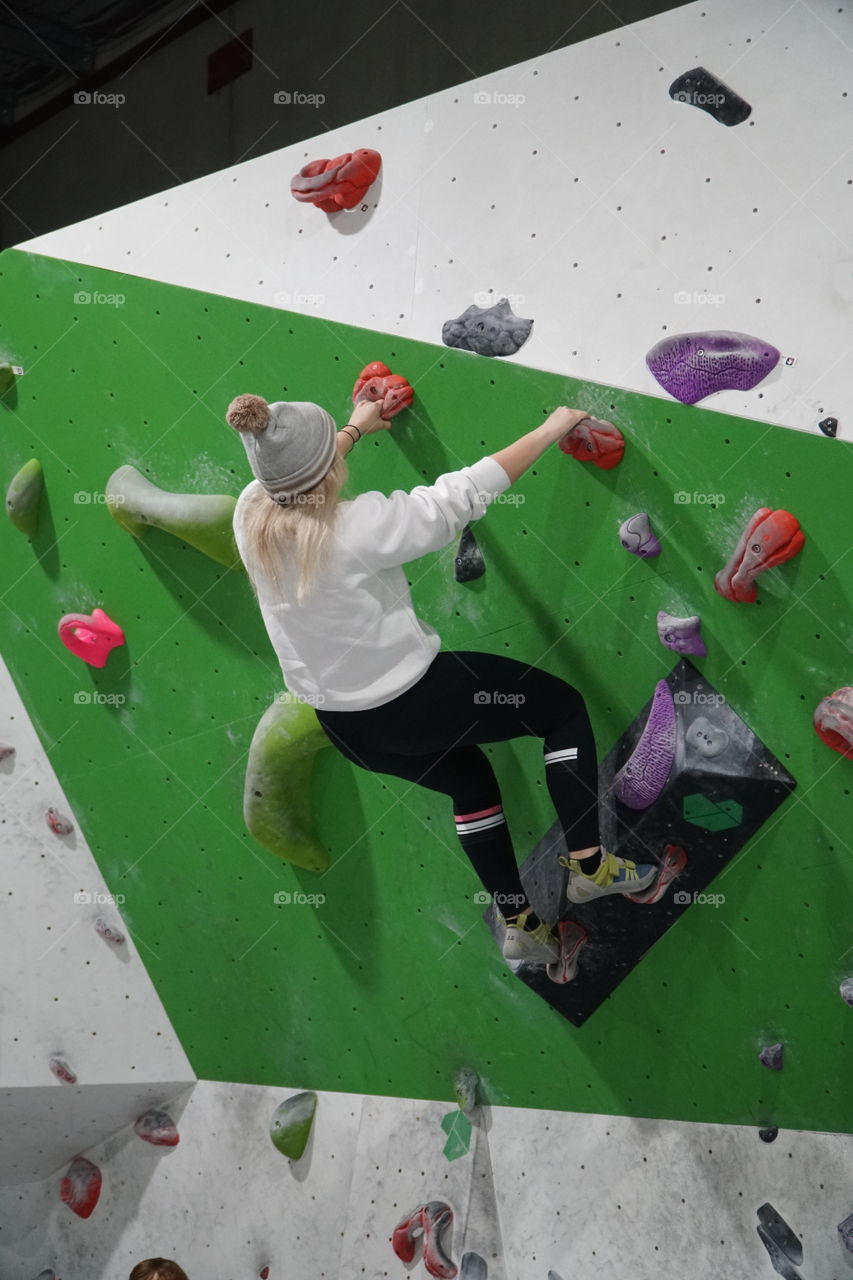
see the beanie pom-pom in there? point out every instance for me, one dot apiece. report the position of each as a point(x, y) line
point(248, 413)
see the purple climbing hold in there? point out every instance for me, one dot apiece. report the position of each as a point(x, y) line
point(637, 536)
point(846, 990)
point(681, 634)
point(845, 1231)
point(691, 366)
point(644, 774)
point(158, 1128)
point(702, 89)
point(829, 427)
point(107, 931)
point(488, 331)
point(771, 1056)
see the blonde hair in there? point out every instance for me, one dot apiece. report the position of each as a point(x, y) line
point(301, 533)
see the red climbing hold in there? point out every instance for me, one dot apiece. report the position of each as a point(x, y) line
point(62, 1071)
point(107, 931)
point(6, 751)
point(58, 823)
point(336, 184)
point(428, 1220)
point(595, 441)
point(833, 721)
point(90, 636)
point(377, 382)
point(264, 1273)
point(158, 1128)
point(769, 539)
point(81, 1186)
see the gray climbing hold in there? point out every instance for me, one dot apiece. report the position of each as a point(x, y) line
point(203, 520)
point(846, 990)
point(469, 562)
point(681, 634)
point(771, 1056)
point(845, 1231)
point(777, 1228)
point(768, 1135)
point(473, 1267)
point(291, 1124)
point(637, 536)
point(781, 1263)
point(829, 427)
point(465, 1083)
point(487, 331)
point(701, 88)
point(707, 739)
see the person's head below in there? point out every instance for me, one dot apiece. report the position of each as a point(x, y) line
point(158, 1269)
point(292, 450)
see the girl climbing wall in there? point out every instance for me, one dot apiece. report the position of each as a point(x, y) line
point(336, 604)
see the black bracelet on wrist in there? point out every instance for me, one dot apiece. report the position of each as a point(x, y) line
point(355, 428)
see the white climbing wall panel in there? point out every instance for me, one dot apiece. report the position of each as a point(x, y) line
point(64, 990)
point(587, 1197)
point(573, 184)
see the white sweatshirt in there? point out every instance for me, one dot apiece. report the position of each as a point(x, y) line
point(356, 641)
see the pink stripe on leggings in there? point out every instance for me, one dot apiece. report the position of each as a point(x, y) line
point(481, 813)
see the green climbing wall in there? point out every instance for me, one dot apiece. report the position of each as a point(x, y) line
point(392, 983)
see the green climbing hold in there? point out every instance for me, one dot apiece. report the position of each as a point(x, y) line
point(23, 497)
point(204, 520)
point(277, 795)
point(7, 377)
point(291, 1124)
point(457, 1126)
point(713, 815)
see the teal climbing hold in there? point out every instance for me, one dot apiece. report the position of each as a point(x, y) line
point(457, 1126)
point(713, 815)
point(291, 1124)
point(277, 795)
point(23, 497)
point(204, 520)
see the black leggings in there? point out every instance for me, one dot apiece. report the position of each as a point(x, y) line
point(428, 735)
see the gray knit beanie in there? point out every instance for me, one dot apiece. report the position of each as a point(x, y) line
point(290, 444)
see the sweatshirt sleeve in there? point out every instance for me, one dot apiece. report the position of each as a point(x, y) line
point(393, 530)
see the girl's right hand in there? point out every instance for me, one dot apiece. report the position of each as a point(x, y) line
point(561, 421)
point(365, 416)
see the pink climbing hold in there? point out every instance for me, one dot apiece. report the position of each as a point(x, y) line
point(81, 1186)
point(644, 774)
point(573, 938)
point(264, 1273)
point(342, 183)
point(596, 441)
point(58, 823)
point(428, 1220)
point(107, 931)
point(62, 1071)
point(377, 382)
point(833, 721)
point(158, 1128)
point(91, 637)
point(769, 539)
point(6, 751)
